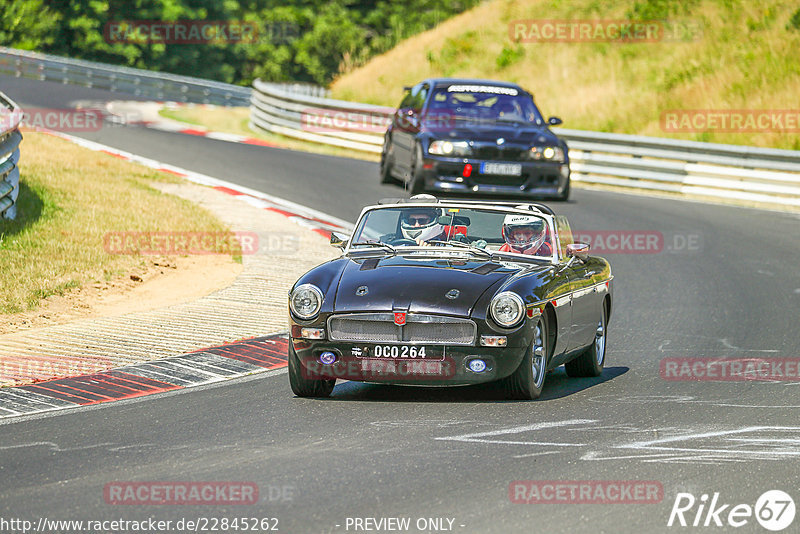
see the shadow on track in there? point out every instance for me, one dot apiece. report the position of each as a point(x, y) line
point(557, 385)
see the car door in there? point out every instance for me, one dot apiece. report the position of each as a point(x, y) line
point(406, 126)
point(582, 279)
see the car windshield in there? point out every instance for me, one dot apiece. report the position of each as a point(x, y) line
point(480, 231)
point(483, 105)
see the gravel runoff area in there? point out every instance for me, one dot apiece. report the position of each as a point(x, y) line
point(254, 305)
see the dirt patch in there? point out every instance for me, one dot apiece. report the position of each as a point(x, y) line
point(162, 281)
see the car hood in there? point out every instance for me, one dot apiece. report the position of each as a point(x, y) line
point(512, 133)
point(418, 285)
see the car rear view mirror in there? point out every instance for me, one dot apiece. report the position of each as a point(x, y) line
point(578, 250)
point(454, 221)
point(554, 121)
point(337, 241)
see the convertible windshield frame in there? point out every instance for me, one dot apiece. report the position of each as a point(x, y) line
point(361, 247)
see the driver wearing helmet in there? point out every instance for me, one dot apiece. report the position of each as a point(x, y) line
point(525, 234)
point(421, 225)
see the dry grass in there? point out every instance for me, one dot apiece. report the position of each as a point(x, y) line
point(746, 58)
point(236, 120)
point(69, 199)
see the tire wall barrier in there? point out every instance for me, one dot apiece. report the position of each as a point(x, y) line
point(10, 137)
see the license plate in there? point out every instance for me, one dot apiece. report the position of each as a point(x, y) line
point(505, 169)
point(399, 352)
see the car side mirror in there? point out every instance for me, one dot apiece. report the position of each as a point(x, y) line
point(578, 250)
point(337, 241)
point(554, 121)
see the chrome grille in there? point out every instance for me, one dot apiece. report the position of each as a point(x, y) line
point(419, 328)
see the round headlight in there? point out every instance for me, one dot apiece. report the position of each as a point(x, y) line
point(305, 301)
point(549, 152)
point(447, 147)
point(507, 309)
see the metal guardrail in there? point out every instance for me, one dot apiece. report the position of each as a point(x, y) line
point(10, 118)
point(151, 85)
point(646, 163)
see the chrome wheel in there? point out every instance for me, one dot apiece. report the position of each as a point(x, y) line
point(538, 354)
point(591, 360)
point(600, 342)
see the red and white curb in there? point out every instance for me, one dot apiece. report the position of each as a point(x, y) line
point(316, 221)
point(189, 370)
point(194, 369)
point(146, 114)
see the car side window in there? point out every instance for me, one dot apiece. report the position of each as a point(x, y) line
point(408, 99)
point(419, 98)
point(564, 234)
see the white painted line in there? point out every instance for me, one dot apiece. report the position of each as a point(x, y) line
point(480, 437)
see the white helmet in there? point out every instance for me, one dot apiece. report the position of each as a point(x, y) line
point(420, 223)
point(530, 240)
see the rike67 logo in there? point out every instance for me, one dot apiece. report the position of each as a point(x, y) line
point(774, 510)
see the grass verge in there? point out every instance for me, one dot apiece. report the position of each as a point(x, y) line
point(69, 199)
point(734, 55)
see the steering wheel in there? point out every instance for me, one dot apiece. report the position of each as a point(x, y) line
point(400, 241)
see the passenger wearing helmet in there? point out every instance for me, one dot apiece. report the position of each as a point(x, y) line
point(507, 110)
point(525, 234)
point(421, 225)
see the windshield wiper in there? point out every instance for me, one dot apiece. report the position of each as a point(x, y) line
point(376, 243)
point(488, 255)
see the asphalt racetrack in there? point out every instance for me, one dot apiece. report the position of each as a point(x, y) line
point(723, 283)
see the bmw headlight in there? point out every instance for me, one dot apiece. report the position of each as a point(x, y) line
point(449, 148)
point(547, 153)
point(507, 309)
point(305, 301)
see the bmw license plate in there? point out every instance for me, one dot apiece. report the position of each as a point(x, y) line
point(504, 169)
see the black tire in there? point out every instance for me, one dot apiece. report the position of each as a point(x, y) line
point(417, 182)
point(303, 387)
point(527, 381)
point(386, 165)
point(591, 361)
point(564, 196)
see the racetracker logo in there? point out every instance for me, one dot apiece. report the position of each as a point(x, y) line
point(60, 120)
point(731, 120)
point(585, 492)
point(324, 120)
point(730, 369)
point(603, 31)
point(181, 243)
point(181, 32)
point(774, 510)
point(636, 241)
point(27, 368)
point(180, 493)
point(380, 370)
